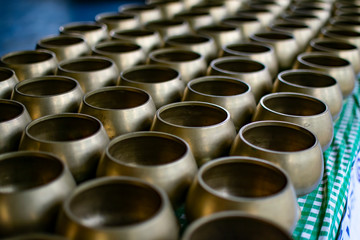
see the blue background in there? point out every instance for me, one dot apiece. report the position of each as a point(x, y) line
point(24, 22)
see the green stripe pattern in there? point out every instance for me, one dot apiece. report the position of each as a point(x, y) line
point(322, 209)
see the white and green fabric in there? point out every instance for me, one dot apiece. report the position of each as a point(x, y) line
point(322, 209)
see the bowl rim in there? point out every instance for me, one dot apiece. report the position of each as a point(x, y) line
point(165, 202)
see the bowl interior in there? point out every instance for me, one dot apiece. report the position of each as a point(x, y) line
point(27, 171)
point(115, 205)
point(117, 99)
point(308, 79)
point(294, 105)
point(82, 28)
point(10, 110)
point(5, 74)
point(27, 57)
point(188, 39)
point(279, 138)
point(64, 128)
point(61, 41)
point(84, 65)
point(193, 115)
point(148, 150)
point(236, 227)
point(244, 179)
point(176, 56)
point(220, 88)
point(240, 66)
point(151, 75)
point(335, 45)
point(117, 47)
point(327, 61)
point(47, 87)
point(248, 48)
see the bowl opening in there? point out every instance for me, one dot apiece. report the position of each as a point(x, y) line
point(148, 150)
point(240, 19)
point(117, 99)
point(308, 79)
point(295, 105)
point(115, 205)
point(82, 28)
point(117, 47)
point(151, 75)
point(27, 57)
point(47, 87)
point(219, 87)
point(139, 8)
point(10, 110)
point(164, 23)
point(217, 28)
point(5, 74)
point(344, 33)
point(193, 14)
point(116, 17)
point(239, 66)
point(236, 227)
point(134, 33)
point(273, 36)
point(279, 138)
point(188, 39)
point(177, 56)
point(326, 61)
point(248, 48)
point(244, 179)
point(61, 41)
point(193, 115)
point(27, 171)
point(337, 45)
point(84, 65)
point(64, 128)
point(290, 26)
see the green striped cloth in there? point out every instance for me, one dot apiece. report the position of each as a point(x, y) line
point(322, 209)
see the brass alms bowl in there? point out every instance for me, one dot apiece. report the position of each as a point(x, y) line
point(48, 95)
point(124, 54)
point(8, 80)
point(256, 51)
point(77, 139)
point(65, 46)
point(91, 72)
point(117, 208)
point(205, 45)
point(304, 110)
point(234, 225)
point(337, 67)
point(121, 109)
point(190, 64)
point(118, 20)
point(313, 83)
point(284, 44)
point(281, 143)
point(147, 39)
point(197, 123)
point(92, 32)
point(231, 93)
point(256, 187)
point(36, 183)
point(156, 157)
point(13, 119)
point(163, 83)
point(31, 63)
point(252, 72)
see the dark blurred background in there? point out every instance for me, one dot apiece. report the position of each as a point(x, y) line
point(24, 22)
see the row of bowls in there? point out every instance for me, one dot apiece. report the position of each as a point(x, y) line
point(108, 137)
